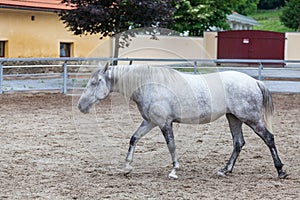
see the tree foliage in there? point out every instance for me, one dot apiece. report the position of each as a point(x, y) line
point(109, 18)
point(291, 14)
point(270, 4)
point(115, 18)
point(247, 7)
point(112, 17)
point(197, 16)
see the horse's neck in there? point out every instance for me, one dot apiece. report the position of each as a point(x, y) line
point(118, 74)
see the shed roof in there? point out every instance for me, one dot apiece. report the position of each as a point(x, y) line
point(242, 19)
point(48, 5)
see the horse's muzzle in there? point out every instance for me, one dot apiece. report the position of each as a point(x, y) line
point(83, 109)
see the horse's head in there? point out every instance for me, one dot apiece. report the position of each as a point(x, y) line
point(98, 88)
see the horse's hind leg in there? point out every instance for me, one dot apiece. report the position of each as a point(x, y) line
point(238, 142)
point(167, 131)
point(144, 128)
point(268, 138)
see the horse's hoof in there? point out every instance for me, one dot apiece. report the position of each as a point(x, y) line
point(282, 175)
point(127, 170)
point(221, 173)
point(173, 176)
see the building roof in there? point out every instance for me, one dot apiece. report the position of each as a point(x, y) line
point(47, 5)
point(235, 17)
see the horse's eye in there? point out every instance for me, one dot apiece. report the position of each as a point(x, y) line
point(94, 82)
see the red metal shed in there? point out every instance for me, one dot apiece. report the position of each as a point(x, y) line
point(250, 44)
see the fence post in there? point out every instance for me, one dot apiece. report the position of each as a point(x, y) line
point(195, 67)
point(65, 78)
point(1, 77)
point(260, 68)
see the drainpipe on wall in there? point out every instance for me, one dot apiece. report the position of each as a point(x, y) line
point(1, 77)
point(112, 48)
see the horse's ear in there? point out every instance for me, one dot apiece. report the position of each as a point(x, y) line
point(103, 69)
point(106, 67)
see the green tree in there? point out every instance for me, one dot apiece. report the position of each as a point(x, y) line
point(197, 16)
point(270, 4)
point(247, 7)
point(115, 18)
point(290, 16)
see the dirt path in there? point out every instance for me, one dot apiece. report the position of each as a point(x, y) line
point(50, 151)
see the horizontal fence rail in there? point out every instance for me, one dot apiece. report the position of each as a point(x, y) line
point(71, 74)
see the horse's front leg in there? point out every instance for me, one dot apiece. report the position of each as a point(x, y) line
point(167, 131)
point(143, 129)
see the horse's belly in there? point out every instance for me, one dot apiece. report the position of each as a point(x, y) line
point(200, 117)
point(203, 101)
point(203, 109)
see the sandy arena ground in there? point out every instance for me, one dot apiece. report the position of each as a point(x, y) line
point(49, 150)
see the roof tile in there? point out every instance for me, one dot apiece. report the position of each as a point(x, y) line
point(35, 4)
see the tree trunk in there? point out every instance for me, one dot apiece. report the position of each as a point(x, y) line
point(299, 24)
point(116, 48)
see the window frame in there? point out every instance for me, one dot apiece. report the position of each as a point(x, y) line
point(3, 48)
point(66, 48)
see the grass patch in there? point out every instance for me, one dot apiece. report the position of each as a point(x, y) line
point(204, 70)
point(269, 21)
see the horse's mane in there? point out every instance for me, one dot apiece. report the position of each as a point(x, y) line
point(128, 78)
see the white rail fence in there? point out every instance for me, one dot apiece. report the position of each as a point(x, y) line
point(68, 75)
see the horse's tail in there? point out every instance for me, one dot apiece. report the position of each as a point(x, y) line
point(268, 107)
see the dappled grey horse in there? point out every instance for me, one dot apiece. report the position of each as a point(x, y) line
point(164, 96)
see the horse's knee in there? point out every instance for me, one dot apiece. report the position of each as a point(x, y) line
point(167, 131)
point(238, 140)
point(269, 139)
point(263, 133)
point(133, 140)
point(166, 128)
point(239, 145)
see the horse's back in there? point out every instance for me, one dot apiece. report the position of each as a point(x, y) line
point(198, 98)
point(237, 84)
point(215, 94)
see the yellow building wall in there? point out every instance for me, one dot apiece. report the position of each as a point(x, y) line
point(292, 46)
point(210, 44)
point(142, 46)
point(177, 47)
point(41, 37)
